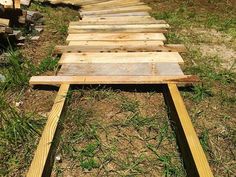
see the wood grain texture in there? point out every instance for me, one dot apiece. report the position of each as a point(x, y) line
point(128, 14)
point(109, 4)
point(192, 152)
point(117, 10)
point(41, 154)
point(151, 47)
point(116, 18)
point(117, 21)
point(124, 57)
point(116, 37)
point(54, 80)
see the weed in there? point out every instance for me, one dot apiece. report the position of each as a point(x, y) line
point(204, 139)
point(200, 92)
point(48, 64)
point(87, 160)
point(17, 74)
point(129, 105)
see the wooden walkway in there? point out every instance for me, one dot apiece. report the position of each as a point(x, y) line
point(118, 42)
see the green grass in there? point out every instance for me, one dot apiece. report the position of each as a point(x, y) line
point(18, 131)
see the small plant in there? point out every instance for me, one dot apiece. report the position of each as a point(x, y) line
point(200, 92)
point(48, 64)
point(129, 105)
point(18, 72)
point(87, 160)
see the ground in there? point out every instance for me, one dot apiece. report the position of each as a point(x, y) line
point(126, 132)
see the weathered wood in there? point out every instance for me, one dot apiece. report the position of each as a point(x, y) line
point(38, 164)
point(121, 69)
point(124, 57)
point(55, 80)
point(135, 48)
point(117, 10)
point(116, 37)
point(192, 152)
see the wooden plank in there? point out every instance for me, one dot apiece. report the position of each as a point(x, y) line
point(117, 10)
point(136, 48)
point(108, 46)
point(121, 69)
point(109, 4)
point(124, 57)
point(75, 2)
point(192, 152)
point(113, 7)
point(116, 18)
point(38, 164)
point(116, 37)
point(116, 21)
point(142, 28)
point(55, 80)
point(118, 30)
point(142, 14)
point(129, 26)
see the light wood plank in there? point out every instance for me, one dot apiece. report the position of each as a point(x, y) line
point(124, 57)
point(135, 48)
point(117, 10)
point(54, 80)
point(41, 154)
point(116, 37)
point(194, 157)
point(108, 4)
point(104, 21)
point(117, 18)
point(142, 14)
point(119, 30)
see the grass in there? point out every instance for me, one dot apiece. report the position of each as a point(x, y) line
point(18, 131)
point(94, 143)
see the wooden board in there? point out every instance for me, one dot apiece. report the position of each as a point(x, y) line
point(38, 164)
point(121, 69)
point(192, 152)
point(117, 10)
point(128, 14)
point(124, 57)
point(55, 80)
point(135, 48)
point(103, 21)
point(136, 28)
point(116, 45)
point(116, 18)
point(116, 37)
point(9, 3)
point(110, 3)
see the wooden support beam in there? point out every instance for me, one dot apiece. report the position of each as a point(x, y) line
point(39, 163)
point(194, 158)
point(123, 57)
point(83, 80)
point(149, 47)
